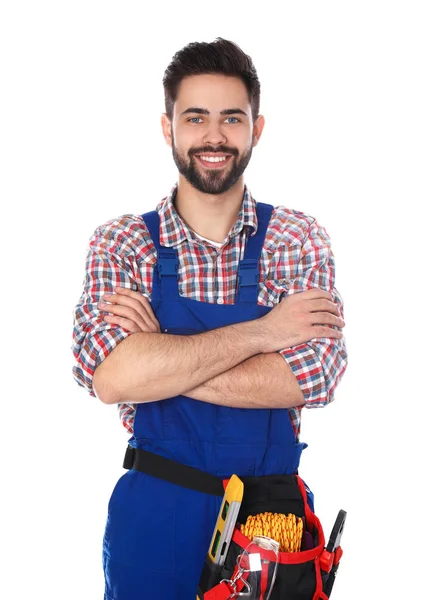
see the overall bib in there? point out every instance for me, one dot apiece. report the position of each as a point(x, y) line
point(158, 533)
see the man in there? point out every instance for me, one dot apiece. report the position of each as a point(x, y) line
point(226, 324)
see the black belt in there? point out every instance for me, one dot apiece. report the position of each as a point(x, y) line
point(172, 471)
point(274, 493)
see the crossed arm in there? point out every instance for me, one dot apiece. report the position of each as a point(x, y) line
point(262, 381)
point(225, 366)
point(248, 377)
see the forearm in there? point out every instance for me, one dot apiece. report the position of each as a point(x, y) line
point(262, 381)
point(153, 366)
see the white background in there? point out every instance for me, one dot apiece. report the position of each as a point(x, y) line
point(81, 99)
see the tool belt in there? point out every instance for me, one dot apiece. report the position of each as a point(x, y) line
point(305, 575)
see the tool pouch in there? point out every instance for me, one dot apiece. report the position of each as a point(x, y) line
point(300, 575)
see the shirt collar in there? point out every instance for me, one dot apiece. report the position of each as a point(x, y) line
point(173, 230)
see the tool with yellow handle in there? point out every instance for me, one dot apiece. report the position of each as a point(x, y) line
point(226, 522)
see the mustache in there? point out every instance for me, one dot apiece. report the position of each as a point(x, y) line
point(221, 149)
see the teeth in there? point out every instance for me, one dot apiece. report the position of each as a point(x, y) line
point(214, 158)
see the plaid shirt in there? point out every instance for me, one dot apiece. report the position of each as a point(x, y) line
point(296, 256)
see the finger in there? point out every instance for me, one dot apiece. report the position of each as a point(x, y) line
point(137, 301)
point(324, 305)
point(132, 315)
point(149, 310)
point(125, 323)
point(321, 331)
point(316, 293)
point(138, 296)
point(127, 292)
point(325, 318)
point(135, 304)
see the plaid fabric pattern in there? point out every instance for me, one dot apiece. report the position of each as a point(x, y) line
point(296, 256)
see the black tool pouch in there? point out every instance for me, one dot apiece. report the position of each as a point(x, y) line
point(297, 575)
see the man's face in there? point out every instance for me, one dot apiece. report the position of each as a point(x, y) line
point(212, 133)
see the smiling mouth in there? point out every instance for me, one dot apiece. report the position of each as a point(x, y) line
point(216, 162)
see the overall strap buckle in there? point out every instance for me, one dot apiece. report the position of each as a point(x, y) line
point(248, 272)
point(167, 269)
point(167, 262)
point(248, 278)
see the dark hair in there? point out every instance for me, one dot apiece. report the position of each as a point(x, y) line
point(218, 57)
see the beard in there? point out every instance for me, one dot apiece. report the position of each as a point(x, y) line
point(213, 181)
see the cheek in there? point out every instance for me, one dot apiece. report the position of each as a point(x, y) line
point(242, 140)
point(184, 138)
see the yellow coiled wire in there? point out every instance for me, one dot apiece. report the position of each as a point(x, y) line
point(287, 530)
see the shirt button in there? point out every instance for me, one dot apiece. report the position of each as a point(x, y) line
point(220, 300)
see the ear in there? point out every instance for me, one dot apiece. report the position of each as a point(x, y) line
point(258, 129)
point(166, 128)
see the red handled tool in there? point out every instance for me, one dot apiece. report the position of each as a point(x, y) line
point(331, 555)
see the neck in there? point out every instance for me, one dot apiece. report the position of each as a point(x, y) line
point(211, 216)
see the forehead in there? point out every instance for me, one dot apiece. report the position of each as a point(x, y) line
point(213, 92)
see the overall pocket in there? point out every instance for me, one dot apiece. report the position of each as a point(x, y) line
point(296, 576)
point(271, 575)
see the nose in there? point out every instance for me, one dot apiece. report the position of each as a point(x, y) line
point(214, 135)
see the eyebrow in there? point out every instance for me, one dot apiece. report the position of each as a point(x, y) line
point(204, 111)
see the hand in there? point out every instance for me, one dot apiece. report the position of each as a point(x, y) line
point(299, 318)
point(131, 310)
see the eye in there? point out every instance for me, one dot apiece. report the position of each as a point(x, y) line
point(192, 118)
point(236, 119)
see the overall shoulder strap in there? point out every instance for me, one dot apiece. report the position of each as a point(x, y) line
point(166, 269)
point(249, 268)
point(151, 220)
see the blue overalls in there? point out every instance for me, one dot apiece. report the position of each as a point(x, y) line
point(158, 533)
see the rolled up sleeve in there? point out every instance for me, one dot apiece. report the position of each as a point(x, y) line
point(320, 363)
point(108, 265)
